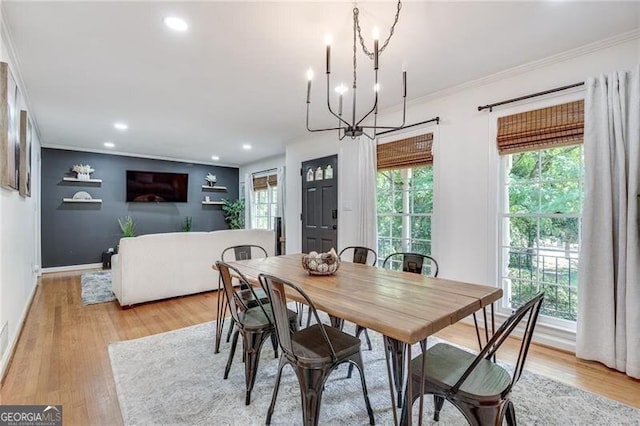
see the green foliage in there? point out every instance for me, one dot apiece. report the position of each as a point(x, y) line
point(404, 192)
point(234, 213)
point(543, 253)
point(127, 226)
point(186, 226)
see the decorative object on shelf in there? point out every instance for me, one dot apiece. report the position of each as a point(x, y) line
point(352, 126)
point(186, 226)
point(82, 195)
point(127, 226)
point(83, 172)
point(321, 263)
point(310, 175)
point(234, 213)
point(207, 198)
point(211, 179)
point(328, 172)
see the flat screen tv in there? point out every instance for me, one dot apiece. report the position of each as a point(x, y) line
point(157, 187)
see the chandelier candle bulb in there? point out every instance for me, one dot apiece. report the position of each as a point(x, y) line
point(376, 37)
point(309, 78)
point(404, 84)
point(327, 40)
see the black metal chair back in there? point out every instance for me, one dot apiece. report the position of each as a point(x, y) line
point(242, 252)
point(361, 254)
point(413, 262)
point(313, 352)
point(482, 391)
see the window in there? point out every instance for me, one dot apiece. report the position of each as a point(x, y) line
point(542, 191)
point(405, 196)
point(265, 201)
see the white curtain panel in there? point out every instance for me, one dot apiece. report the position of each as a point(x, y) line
point(609, 290)
point(248, 200)
point(366, 206)
point(280, 206)
point(281, 189)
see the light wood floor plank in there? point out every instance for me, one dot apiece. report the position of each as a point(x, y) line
point(62, 356)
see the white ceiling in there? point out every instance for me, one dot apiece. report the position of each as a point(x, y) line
point(238, 75)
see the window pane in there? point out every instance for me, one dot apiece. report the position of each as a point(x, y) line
point(384, 226)
point(421, 228)
point(560, 197)
point(564, 163)
point(396, 227)
point(541, 245)
point(524, 167)
point(523, 198)
point(521, 231)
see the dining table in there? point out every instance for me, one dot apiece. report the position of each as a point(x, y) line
point(406, 308)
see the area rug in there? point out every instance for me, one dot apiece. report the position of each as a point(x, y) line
point(96, 287)
point(175, 378)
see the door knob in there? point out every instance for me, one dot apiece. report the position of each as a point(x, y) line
point(335, 226)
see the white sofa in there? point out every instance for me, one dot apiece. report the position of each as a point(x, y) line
point(159, 266)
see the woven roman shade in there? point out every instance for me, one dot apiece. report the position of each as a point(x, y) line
point(544, 128)
point(409, 152)
point(260, 183)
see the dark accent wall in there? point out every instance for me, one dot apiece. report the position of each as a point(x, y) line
point(76, 234)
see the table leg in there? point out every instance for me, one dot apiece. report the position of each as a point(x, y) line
point(336, 322)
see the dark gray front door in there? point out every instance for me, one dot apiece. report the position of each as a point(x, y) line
point(320, 204)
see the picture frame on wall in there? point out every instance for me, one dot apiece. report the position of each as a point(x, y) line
point(9, 129)
point(26, 132)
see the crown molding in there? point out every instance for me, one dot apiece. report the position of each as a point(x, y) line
point(136, 155)
point(531, 66)
point(14, 65)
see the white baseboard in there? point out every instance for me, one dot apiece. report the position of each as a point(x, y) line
point(8, 355)
point(70, 268)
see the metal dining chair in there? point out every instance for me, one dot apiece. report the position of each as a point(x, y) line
point(474, 384)
point(253, 323)
point(313, 352)
point(240, 252)
point(417, 263)
point(361, 255)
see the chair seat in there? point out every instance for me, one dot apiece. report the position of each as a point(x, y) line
point(446, 364)
point(249, 300)
point(308, 343)
point(254, 318)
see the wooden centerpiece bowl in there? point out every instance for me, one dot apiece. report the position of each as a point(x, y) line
point(321, 263)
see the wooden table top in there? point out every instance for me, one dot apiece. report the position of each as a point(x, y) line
point(405, 306)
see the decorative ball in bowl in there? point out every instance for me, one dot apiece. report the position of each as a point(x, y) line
point(321, 263)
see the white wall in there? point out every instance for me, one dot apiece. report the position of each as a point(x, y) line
point(19, 241)
point(466, 162)
point(258, 166)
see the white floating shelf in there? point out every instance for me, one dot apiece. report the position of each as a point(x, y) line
point(73, 200)
point(214, 188)
point(72, 179)
point(213, 203)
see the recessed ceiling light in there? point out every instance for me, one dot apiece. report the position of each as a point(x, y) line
point(215, 157)
point(176, 24)
point(246, 147)
point(121, 126)
point(109, 144)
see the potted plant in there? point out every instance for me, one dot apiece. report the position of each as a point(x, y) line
point(186, 226)
point(127, 226)
point(234, 213)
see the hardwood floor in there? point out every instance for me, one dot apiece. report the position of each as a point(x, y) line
point(62, 357)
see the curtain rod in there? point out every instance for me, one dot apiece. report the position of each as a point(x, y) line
point(264, 171)
point(533, 95)
point(436, 119)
